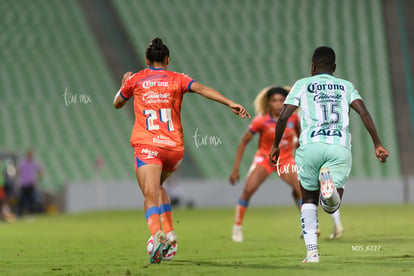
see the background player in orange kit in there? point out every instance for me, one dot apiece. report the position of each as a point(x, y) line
point(268, 104)
point(157, 135)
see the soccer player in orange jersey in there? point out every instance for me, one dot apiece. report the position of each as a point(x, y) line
point(268, 104)
point(157, 135)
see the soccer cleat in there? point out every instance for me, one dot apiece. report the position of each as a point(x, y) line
point(170, 241)
point(337, 233)
point(327, 186)
point(237, 233)
point(172, 238)
point(312, 257)
point(159, 241)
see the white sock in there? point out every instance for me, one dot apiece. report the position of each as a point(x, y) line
point(336, 217)
point(332, 204)
point(309, 221)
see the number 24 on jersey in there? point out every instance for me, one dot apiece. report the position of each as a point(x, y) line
point(154, 118)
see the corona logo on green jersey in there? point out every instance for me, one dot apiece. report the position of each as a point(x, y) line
point(315, 87)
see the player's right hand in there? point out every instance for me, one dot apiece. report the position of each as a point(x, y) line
point(381, 153)
point(234, 177)
point(274, 156)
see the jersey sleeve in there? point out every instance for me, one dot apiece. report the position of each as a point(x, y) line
point(256, 125)
point(127, 90)
point(293, 97)
point(186, 83)
point(354, 94)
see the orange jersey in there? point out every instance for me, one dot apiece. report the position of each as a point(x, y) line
point(265, 125)
point(158, 95)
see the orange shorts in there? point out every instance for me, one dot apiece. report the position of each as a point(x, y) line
point(146, 154)
point(284, 164)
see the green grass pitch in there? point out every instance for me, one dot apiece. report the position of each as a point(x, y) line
point(378, 240)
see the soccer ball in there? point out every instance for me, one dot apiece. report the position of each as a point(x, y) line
point(166, 256)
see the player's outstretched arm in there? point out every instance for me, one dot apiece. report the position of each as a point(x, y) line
point(214, 95)
point(234, 176)
point(284, 115)
point(380, 151)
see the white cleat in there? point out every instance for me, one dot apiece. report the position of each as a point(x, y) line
point(327, 186)
point(337, 233)
point(172, 238)
point(159, 241)
point(312, 257)
point(237, 233)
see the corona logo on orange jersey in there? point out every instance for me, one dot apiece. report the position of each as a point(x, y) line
point(148, 84)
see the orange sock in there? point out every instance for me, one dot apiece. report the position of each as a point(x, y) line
point(241, 208)
point(166, 218)
point(152, 216)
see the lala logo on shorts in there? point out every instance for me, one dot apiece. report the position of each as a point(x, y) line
point(151, 153)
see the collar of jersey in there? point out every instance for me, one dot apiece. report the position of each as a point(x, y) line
point(155, 68)
point(326, 74)
point(271, 117)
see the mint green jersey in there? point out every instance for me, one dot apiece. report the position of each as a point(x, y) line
point(324, 102)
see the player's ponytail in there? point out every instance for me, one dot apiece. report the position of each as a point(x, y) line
point(157, 50)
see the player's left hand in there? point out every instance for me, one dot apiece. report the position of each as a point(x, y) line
point(274, 155)
point(381, 153)
point(126, 76)
point(234, 177)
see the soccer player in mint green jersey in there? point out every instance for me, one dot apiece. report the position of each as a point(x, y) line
point(324, 157)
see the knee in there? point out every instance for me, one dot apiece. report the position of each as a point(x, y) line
point(150, 194)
